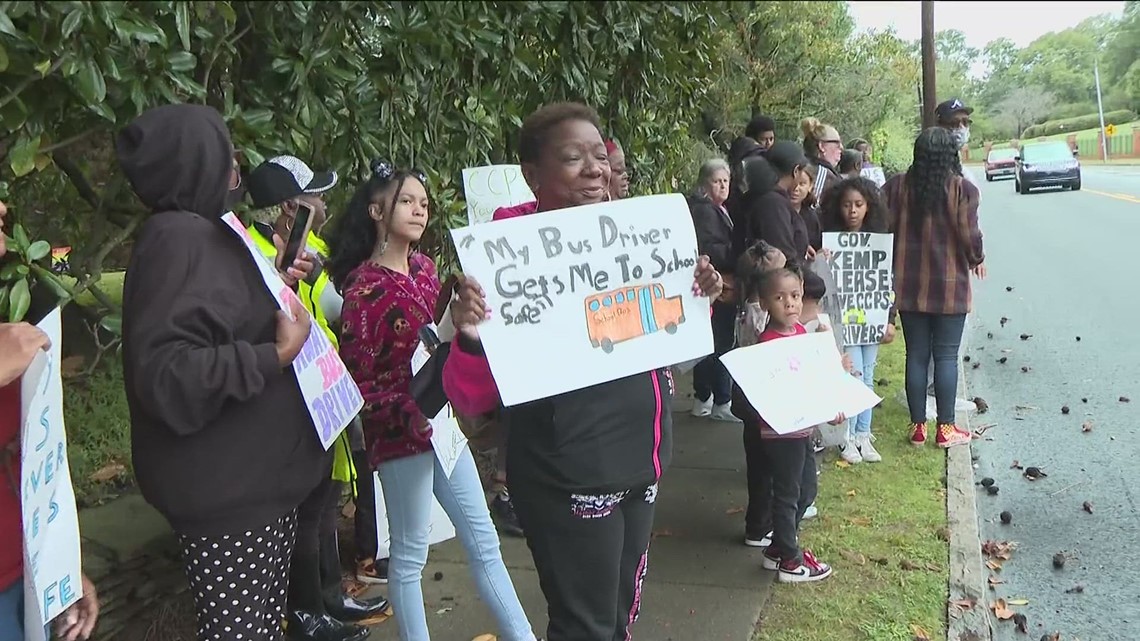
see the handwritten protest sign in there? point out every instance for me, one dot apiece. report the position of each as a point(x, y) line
point(586, 295)
point(330, 393)
point(52, 581)
point(488, 188)
point(440, 527)
point(874, 174)
point(863, 266)
point(797, 382)
point(447, 439)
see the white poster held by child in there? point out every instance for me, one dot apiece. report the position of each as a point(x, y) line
point(797, 382)
point(863, 267)
point(586, 295)
point(52, 580)
point(875, 175)
point(330, 393)
point(488, 188)
point(440, 527)
point(447, 439)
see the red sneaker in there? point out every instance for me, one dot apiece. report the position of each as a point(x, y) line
point(949, 435)
point(918, 434)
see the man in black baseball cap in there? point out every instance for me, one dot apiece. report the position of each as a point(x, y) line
point(954, 115)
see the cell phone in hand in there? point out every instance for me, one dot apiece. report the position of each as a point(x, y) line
point(430, 339)
point(302, 223)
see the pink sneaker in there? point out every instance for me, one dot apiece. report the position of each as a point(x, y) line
point(809, 569)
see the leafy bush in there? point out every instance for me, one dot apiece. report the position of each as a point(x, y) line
point(1087, 121)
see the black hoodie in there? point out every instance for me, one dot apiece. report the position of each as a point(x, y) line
point(221, 439)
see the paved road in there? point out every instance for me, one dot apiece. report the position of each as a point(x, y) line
point(1069, 258)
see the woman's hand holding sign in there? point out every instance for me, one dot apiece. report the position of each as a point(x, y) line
point(469, 306)
point(708, 280)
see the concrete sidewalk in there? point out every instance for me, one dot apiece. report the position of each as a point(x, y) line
point(702, 582)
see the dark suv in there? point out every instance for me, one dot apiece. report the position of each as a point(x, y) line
point(1047, 164)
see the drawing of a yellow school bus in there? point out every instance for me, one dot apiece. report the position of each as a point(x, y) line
point(623, 314)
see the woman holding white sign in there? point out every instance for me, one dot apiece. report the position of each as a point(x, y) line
point(390, 292)
point(938, 244)
point(583, 465)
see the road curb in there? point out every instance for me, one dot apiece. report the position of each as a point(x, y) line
point(967, 572)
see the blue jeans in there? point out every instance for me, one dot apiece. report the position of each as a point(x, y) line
point(12, 613)
point(937, 336)
point(710, 378)
point(409, 484)
point(863, 359)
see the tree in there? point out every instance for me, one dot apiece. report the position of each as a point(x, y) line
point(441, 86)
point(1025, 106)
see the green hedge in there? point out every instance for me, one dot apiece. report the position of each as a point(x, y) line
point(1087, 121)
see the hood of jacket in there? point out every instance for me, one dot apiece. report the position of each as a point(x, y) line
point(178, 158)
point(741, 148)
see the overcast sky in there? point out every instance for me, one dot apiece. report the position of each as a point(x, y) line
point(1021, 22)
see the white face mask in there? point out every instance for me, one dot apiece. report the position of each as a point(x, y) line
point(961, 136)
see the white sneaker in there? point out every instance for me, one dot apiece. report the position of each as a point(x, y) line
point(811, 512)
point(701, 408)
point(724, 413)
point(866, 449)
point(849, 451)
point(761, 542)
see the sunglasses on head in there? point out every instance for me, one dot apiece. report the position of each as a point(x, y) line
point(384, 170)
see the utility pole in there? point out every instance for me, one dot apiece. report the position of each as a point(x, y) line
point(1100, 110)
point(929, 94)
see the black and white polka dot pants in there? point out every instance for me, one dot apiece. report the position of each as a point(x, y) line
point(239, 581)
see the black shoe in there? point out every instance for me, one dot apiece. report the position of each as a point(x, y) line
point(503, 513)
point(306, 626)
point(353, 609)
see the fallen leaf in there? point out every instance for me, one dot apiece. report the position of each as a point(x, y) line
point(881, 560)
point(1018, 602)
point(976, 365)
point(1024, 408)
point(1001, 610)
point(1026, 337)
point(908, 565)
point(919, 633)
point(1087, 507)
point(1076, 589)
point(842, 464)
point(963, 604)
point(485, 637)
point(1004, 320)
point(943, 534)
point(1034, 473)
point(1016, 466)
point(861, 521)
point(107, 472)
point(994, 581)
point(1025, 369)
point(1056, 636)
point(1087, 426)
point(734, 510)
point(443, 610)
point(994, 565)
point(981, 404)
point(850, 492)
point(1002, 360)
point(1125, 399)
point(999, 549)
point(1021, 622)
point(854, 557)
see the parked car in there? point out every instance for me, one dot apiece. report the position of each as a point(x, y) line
point(1000, 162)
point(1047, 164)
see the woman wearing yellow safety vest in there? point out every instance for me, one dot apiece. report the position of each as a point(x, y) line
point(318, 606)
